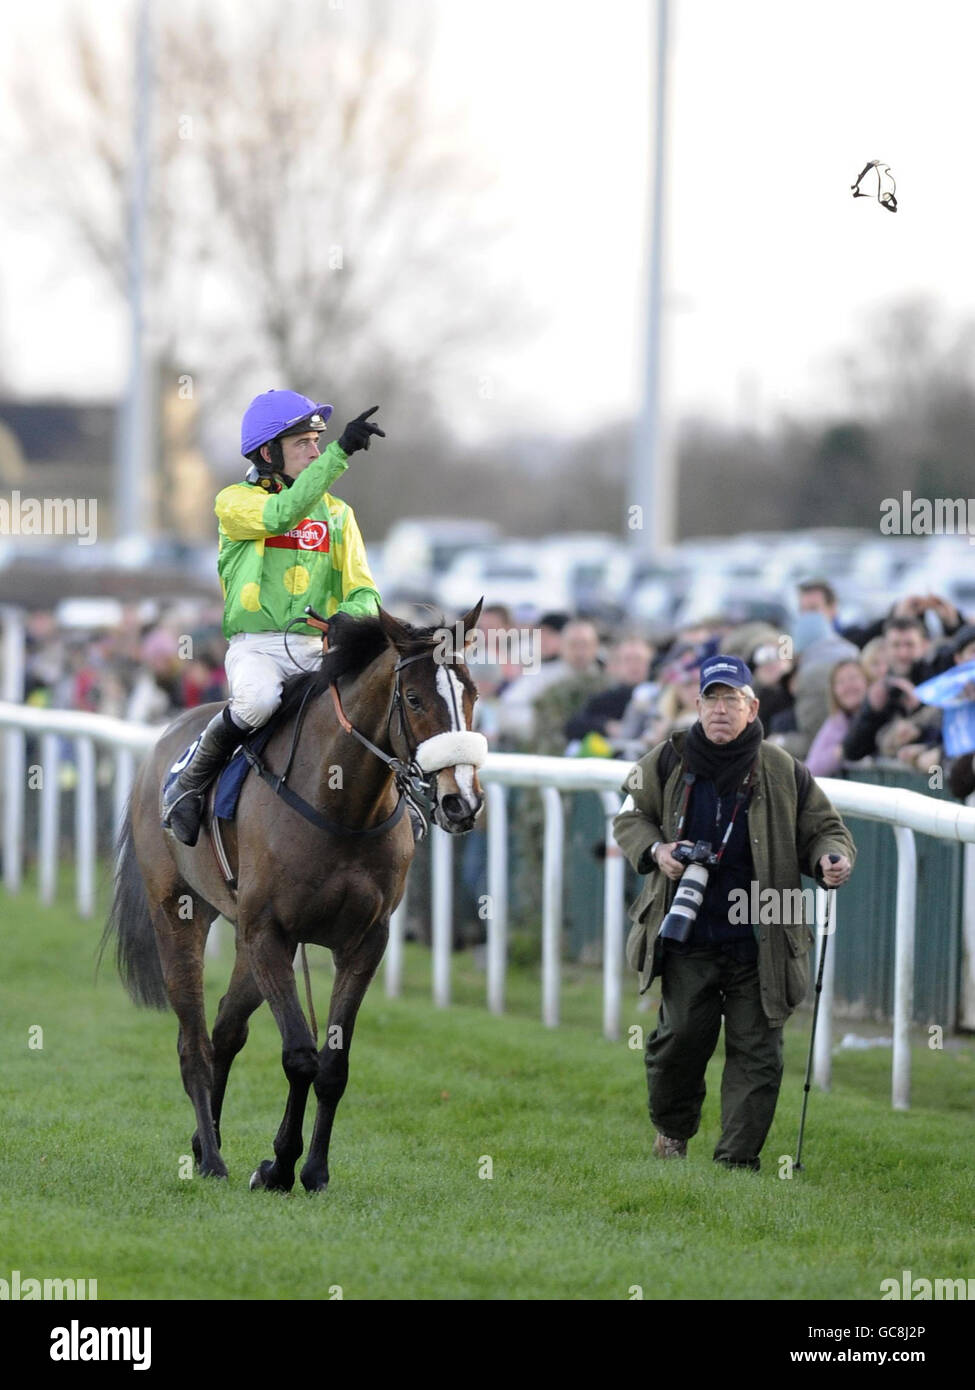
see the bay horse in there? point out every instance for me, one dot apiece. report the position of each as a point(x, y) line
point(334, 881)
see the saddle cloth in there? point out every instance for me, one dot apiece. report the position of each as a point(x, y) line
point(231, 776)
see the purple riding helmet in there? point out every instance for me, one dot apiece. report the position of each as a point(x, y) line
point(276, 413)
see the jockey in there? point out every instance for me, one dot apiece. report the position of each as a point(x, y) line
point(284, 542)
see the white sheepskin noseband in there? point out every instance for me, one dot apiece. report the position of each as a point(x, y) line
point(463, 749)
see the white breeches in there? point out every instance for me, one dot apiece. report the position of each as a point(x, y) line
point(257, 666)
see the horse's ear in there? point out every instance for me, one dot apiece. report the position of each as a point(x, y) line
point(397, 632)
point(470, 618)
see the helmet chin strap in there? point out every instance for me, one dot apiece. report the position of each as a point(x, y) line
point(267, 480)
point(269, 473)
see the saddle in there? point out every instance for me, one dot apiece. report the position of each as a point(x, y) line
point(231, 777)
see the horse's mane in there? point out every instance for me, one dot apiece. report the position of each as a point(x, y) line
point(363, 642)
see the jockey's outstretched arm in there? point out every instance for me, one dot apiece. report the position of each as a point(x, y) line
point(247, 516)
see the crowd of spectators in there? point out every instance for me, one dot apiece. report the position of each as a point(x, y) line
point(569, 686)
point(147, 668)
point(831, 695)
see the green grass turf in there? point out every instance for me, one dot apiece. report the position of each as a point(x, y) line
point(95, 1124)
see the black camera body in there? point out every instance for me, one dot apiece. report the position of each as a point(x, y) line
point(701, 853)
point(698, 861)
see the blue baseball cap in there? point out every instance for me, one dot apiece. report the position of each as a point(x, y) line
point(725, 670)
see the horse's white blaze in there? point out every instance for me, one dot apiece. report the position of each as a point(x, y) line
point(452, 694)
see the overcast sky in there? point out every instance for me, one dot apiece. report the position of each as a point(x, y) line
point(772, 266)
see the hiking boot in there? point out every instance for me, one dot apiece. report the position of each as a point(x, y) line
point(182, 803)
point(665, 1147)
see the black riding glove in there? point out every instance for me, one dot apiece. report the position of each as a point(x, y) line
point(357, 432)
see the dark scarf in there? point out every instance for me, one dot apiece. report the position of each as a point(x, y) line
point(724, 764)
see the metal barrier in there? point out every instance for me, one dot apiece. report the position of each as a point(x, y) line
point(906, 811)
point(865, 958)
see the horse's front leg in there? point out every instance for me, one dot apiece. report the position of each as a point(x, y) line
point(353, 972)
point(270, 953)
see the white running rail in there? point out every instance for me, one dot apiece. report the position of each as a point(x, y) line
point(908, 812)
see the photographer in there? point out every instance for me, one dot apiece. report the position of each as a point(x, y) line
point(754, 819)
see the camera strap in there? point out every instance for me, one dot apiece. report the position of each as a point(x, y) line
point(689, 779)
point(741, 797)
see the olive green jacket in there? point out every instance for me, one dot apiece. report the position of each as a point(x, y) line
point(786, 841)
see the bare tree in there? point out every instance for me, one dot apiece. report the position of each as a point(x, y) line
point(316, 222)
point(911, 377)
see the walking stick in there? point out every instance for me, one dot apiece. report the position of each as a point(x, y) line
point(797, 1166)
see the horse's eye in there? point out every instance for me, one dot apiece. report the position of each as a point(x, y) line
point(413, 700)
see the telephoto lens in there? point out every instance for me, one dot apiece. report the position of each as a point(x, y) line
point(688, 899)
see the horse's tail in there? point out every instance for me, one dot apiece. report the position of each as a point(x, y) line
point(130, 922)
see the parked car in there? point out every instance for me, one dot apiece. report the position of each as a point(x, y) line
point(598, 570)
point(520, 574)
point(419, 550)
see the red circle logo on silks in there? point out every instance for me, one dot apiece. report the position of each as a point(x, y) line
point(307, 535)
point(311, 534)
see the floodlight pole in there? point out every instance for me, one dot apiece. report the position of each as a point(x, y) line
point(649, 509)
point(132, 493)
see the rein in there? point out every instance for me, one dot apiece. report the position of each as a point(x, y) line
point(410, 778)
point(411, 782)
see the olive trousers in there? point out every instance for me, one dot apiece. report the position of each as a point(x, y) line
point(697, 989)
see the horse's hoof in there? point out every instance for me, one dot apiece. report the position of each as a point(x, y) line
point(261, 1177)
point(215, 1168)
point(314, 1182)
point(259, 1174)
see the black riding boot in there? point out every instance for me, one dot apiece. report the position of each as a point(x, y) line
point(182, 805)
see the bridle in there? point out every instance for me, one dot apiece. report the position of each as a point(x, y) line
point(413, 774)
point(411, 780)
